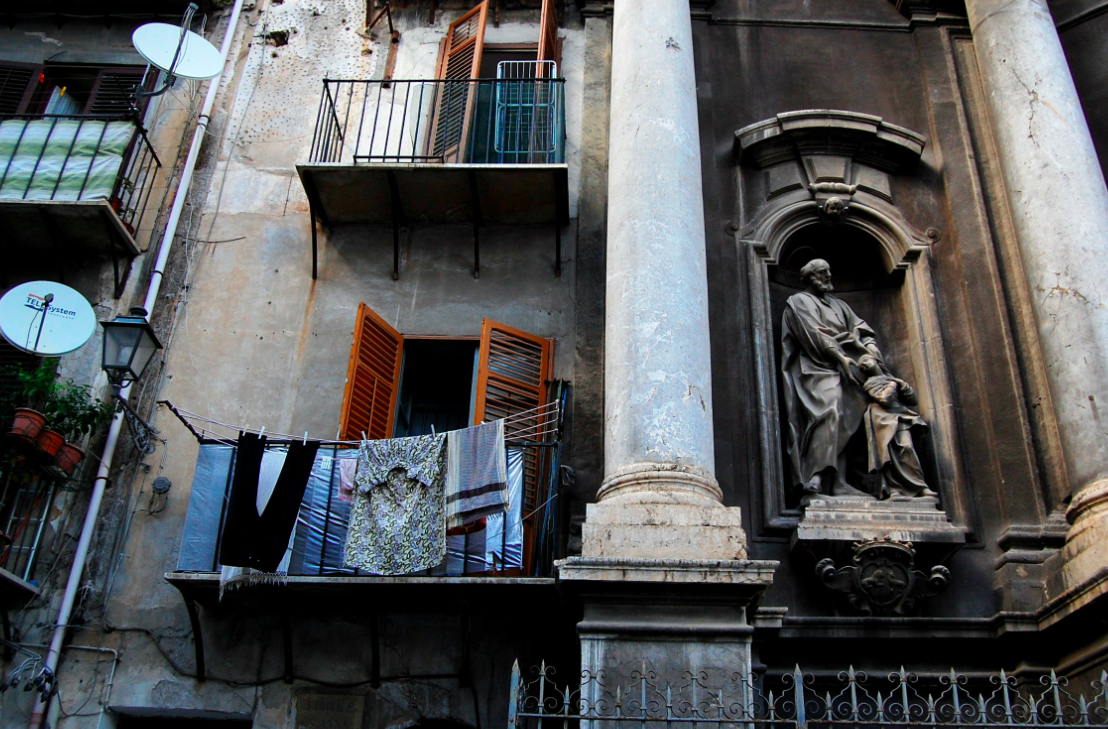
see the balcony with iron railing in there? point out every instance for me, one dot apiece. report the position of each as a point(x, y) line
point(482, 151)
point(74, 185)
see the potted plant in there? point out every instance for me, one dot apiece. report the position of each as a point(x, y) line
point(62, 411)
point(27, 400)
point(73, 413)
point(26, 424)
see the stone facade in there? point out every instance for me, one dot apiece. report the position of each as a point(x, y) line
point(942, 156)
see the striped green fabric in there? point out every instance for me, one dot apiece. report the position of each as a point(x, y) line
point(63, 159)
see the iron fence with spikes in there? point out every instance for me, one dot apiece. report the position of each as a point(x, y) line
point(718, 697)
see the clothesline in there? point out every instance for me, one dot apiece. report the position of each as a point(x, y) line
point(527, 425)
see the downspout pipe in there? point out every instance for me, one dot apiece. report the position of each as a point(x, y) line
point(88, 529)
point(190, 165)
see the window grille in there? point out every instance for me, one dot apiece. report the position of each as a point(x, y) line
point(526, 113)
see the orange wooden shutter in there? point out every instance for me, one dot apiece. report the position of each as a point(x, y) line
point(460, 62)
point(513, 375)
point(513, 371)
point(548, 33)
point(369, 404)
point(111, 92)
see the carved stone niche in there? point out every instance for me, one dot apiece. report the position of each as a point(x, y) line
point(826, 183)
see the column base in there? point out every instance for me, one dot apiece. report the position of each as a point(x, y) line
point(661, 483)
point(1081, 574)
point(665, 615)
point(628, 530)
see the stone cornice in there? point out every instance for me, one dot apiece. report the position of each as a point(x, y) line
point(867, 138)
point(910, 8)
point(733, 572)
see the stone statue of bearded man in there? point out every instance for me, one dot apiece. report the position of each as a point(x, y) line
point(825, 399)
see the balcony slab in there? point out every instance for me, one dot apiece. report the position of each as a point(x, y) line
point(318, 595)
point(61, 226)
point(491, 194)
point(399, 193)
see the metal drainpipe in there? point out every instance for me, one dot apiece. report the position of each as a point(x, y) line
point(98, 486)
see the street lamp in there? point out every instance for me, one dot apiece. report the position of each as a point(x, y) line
point(129, 345)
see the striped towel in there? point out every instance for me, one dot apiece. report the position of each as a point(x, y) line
point(476, 473)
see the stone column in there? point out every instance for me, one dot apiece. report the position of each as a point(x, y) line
point(658, 446)
point(662, 577)
point(1059, 206)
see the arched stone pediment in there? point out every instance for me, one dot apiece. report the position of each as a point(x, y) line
point(831, 166)
point(865, 138)
point(901, 243)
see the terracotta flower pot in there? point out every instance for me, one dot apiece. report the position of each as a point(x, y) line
point(27, 424)
point(68, 458)
point(48, 442)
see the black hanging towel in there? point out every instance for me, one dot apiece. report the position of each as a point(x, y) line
point(257, 540)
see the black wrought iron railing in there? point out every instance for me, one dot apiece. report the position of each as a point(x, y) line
point(707, 698)
point(78, 158)
point(517, 120)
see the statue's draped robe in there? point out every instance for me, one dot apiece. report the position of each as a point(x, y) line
point(888, 422)
point(823, 408)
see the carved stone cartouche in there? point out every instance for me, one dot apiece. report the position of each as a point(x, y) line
point(882, 579)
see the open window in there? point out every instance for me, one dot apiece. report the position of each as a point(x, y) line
point(66, 89)
point(437, 386)
point(404, 386)
point(496, 103)
point(397, 386)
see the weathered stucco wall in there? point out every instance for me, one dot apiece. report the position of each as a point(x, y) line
point(257, 341)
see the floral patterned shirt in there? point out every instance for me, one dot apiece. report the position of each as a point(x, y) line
point(397, 521)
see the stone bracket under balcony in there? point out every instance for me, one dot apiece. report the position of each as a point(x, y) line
point(429, 193)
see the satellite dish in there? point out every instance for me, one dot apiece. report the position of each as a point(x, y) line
point(69, 321)
point(158, 43)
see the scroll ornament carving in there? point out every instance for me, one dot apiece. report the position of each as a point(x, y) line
point(882, 579)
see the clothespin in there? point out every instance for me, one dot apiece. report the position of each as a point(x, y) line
point(363, 436)
point(432, 428)
point(305, 438)
point(261, 432)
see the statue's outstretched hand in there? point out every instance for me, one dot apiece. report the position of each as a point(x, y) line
point(849, 367)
